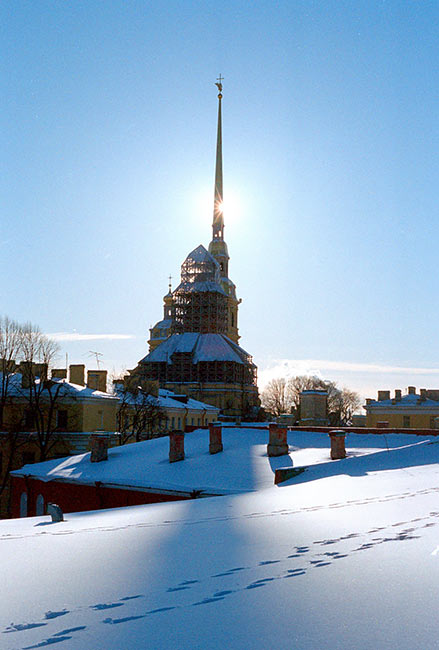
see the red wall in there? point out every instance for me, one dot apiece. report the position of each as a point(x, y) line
point(73, 497)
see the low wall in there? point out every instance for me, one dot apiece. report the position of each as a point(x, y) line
point(75, 497)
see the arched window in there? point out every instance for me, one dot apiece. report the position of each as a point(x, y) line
point(39, 506)
point(23, 504)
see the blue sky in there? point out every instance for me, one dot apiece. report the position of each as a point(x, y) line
point(330, 129)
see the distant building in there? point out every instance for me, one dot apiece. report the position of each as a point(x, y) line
point(314, 408)
point(415, 411)
point(194, 348)
point(58, 422)
point(81, 408)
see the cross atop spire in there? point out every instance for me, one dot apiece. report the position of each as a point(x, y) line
point(218, 221)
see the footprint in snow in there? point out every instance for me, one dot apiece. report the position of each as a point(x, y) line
point(49, 615)
point(20, 627)
point(46, 642)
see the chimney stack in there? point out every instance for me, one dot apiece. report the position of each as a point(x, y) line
point(277, 445)
point(59, 373)
point(26, 369)
point(40, 371)
point(97, 380)
point(215, 437)
point(412, 390)
point(338, 449)
point(383, 394)
point(76, 373)
point(397, 395)
point(176, 446)
point(98, 448)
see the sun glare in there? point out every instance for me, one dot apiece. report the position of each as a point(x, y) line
point(230, 206)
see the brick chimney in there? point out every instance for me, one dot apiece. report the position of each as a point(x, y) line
point(338, 449)
point(277, 445)
point(215, 437)
point(98, 447)
point(26, 369)
point(397, 395)
point(383, 394)
point(412, 390)
point(97, 380)
point(76, 374)
point(41, 371)
point(176, 446)
point(59, 373)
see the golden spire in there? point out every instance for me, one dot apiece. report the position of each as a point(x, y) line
point(218, 221)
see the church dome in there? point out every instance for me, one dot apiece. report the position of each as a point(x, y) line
point(200, 266)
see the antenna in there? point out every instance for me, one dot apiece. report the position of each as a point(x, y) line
point(93, 353)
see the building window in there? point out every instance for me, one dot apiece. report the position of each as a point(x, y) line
point(406, 421)
point(179, 423)
point(23, 504)
point(173, 423)
point(61, 419)
point(199, 422)
point(39, 506)
point(192, 421)
point(28, 457)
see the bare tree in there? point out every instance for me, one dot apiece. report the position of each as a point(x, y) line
point(139, 415)
point(283, 396)
point(275, 397)
point(10, 348)
point(10, 424)
point(344, 405)
point(300, 383)
point(41, 395)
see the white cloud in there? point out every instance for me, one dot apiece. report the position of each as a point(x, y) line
point(365, 378)
point(75, 336)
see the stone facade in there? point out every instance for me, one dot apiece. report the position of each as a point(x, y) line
point(314, 408)
point(406, 411)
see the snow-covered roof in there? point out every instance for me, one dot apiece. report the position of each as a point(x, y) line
point(166, 400)
point(215, 347)
point(206, 285)
point(67, 389)
point(410, 400)
point(346, 560)
point(175, 343)
point(163, 324)
point(242, 466)
point(205, 347)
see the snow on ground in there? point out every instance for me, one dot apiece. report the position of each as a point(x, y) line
point(344, 556)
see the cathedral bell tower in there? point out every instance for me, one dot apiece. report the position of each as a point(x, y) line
point(218, 247)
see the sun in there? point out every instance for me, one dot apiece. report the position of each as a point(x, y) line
point(230, 207)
